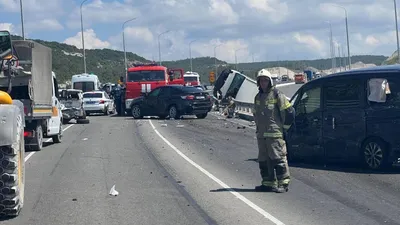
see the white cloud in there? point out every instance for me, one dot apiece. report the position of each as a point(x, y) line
point(222, 9)
point(311, 42)
point(275, 10)
point(99, 11)
point(7, 26)
point(45, 24)
point(91, 40)
point(371, 40)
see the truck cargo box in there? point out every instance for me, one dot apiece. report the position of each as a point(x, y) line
point(33, 82)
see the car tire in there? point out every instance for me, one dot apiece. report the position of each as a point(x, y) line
point(12, 178)
point(173, 112)
point(136, 112)
point(38, 145)
point(374, 154)
point(65, 121)
point(58, 138)
point(83, 121)
point(201, 116)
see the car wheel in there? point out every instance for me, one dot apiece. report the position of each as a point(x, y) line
point(173, 112)
point(58, 138)
point(136, 112)
point(201, 116)
point(374, 153)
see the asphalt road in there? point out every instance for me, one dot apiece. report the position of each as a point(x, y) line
point(189, 171)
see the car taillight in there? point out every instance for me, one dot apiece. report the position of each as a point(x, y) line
point(28, 134)
point(188, 97)
point(101, 101)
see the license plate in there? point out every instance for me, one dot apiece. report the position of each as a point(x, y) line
point(200, 97)
point(90, 103)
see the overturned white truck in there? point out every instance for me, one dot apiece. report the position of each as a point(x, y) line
point(29, 111)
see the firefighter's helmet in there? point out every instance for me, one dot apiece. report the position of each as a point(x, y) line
point(5, 98)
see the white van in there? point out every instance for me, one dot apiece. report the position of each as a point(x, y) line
point(85, 82)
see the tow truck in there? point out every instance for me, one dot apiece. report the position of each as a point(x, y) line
point(142, 78)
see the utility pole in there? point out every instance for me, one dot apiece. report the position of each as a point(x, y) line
point(22, 19)
point(83, 38)
point(397, 31)
point(123, 43)
point(159, 46)
point(190, 55)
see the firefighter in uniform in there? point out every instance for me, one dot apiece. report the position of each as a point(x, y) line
point(273, 115)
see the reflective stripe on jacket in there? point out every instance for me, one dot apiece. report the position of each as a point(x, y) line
point(269, 114)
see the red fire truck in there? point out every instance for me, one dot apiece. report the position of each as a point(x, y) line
point(142, 78)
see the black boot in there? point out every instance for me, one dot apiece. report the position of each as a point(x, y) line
point(264, 188)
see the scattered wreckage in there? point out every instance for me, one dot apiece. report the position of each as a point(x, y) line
point(72, 106)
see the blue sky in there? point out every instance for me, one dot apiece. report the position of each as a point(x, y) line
point(263, 29)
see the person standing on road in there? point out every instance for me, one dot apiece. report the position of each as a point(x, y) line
point(273, 115)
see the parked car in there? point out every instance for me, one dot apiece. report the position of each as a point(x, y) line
point(98, 102)
point(72, 106)
point(172, 101)
point(350, 116)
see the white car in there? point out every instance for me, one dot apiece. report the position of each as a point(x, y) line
point(98, 102)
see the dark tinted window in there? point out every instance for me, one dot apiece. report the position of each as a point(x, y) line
point(309, 102)
point(155, 92)
point(84, 86)
point(93, 95)
point(190, 79)
point(191, 89)
point(146, 75)
point(343, 95)
point(235, 85)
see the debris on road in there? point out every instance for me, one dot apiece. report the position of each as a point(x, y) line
point(113, 192)
point(164, 125)
point(85, 139)
point(180, 125)
point(241, 127)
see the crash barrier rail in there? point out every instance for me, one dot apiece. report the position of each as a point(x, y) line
point(244, 110)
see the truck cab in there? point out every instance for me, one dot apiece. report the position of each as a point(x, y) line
point(191, 78)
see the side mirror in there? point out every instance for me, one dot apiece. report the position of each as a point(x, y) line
point(6, 52)
point(171, 77)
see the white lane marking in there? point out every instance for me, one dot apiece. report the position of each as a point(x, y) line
point(48, 140)
point(236, 194)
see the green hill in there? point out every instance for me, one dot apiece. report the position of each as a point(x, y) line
point(108, 64)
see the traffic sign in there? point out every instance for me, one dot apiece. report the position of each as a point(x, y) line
point(212, 77)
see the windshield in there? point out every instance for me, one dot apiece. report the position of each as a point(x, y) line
point(84, 86)
point(93, 95)
point(146, 75)
point(190, 79)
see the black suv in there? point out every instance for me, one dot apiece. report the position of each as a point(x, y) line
point(349, 116)
point(172, 101)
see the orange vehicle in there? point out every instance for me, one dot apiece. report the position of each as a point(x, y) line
point(300, 78)
point(143, 78)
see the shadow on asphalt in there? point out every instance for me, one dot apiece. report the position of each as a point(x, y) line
point(233, 189)
point(345, 168)
point(339, 167)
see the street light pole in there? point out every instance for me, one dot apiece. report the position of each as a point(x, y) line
point(332, 46)
point(215, 58)
point(123, 43)
point(22, 19)
point(347, 34)
point(190, 55)
point(159, 46)
point(397, 31)
point(83, 38)
point(236, 64)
